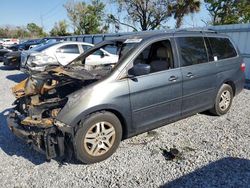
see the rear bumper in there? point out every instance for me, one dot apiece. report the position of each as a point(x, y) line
point(48, 141)
point(239, 85)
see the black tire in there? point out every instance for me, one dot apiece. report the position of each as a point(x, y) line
point(81, 147)
point(217, 109)
point(18, 66)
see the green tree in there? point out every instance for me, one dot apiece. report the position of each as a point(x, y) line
point(228, 12)
point(86, 18)
point(182, 8)
point(5, 32)
point(144, 14)
point(60, 29)
point(14, 32)
point(244, 11)
point(21, 32)
point(2, 33)
point(35, 30)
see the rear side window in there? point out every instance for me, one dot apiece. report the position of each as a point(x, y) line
point(222, 48)
point(192, 50)
point(71, 49)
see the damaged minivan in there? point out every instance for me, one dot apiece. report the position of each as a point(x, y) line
point(159, 78)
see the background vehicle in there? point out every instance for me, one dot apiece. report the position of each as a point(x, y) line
point(12, 59)
point(3, 51)
point(26, 45)
point(61, 53)
point(12, 55)
point(159, 78)
point(9, 42)
point(18, 47)
point(44, 41)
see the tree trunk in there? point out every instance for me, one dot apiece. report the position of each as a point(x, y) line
point(178, 22)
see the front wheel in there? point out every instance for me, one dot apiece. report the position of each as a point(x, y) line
point(98, 137)
point(223, 100)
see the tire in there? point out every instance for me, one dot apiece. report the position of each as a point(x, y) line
point(223, 100)
point(18, 66)
point(98, 137)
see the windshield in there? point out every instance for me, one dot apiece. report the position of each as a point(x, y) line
point(106, 53)
point(125, 48)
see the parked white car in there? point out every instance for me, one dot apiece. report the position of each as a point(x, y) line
point(62, 53)
point(9, 42)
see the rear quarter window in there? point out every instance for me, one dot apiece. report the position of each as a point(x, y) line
point(192, 50)
point(222, 48)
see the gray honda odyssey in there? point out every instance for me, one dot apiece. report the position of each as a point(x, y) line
point(159, 78)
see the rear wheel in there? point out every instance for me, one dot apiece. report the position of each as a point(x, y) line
point(98, 137)
point(223, 100)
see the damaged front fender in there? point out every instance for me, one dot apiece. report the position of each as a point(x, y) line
point(39, 100)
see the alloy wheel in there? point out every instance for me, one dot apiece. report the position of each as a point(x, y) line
point(99, 138)
point(225, 100)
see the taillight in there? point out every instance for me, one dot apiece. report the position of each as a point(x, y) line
point(243, 67)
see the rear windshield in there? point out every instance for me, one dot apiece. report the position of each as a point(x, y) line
point(222, 48)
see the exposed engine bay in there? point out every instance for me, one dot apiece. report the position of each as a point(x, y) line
point(40, 98)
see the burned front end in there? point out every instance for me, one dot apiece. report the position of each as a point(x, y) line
point(39, 99)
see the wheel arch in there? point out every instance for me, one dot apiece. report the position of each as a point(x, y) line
point(117, 113)
point(122, 120)
point(231, 84)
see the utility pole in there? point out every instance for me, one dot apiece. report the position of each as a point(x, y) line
point(41, 18)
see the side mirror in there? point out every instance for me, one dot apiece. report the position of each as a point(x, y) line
point(139, 69)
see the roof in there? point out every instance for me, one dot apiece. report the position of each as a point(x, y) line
point(75, 42)
point(162, 33)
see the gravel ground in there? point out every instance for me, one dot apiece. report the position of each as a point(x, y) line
point(215, 152)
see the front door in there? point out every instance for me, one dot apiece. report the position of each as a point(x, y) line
point(156, 97)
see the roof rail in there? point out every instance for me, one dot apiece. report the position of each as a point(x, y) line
point(201, 30)
point(210, 30)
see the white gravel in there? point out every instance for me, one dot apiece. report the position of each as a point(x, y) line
point(215, 153)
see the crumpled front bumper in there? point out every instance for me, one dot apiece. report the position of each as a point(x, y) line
point(48, 141)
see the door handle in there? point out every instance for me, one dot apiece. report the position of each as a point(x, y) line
point(172, 78)
point(190, 75)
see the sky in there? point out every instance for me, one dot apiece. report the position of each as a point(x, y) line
point(41, 12)
point(46, 12)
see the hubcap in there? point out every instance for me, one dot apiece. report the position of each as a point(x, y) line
point(225, 100)
point(99, 138)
